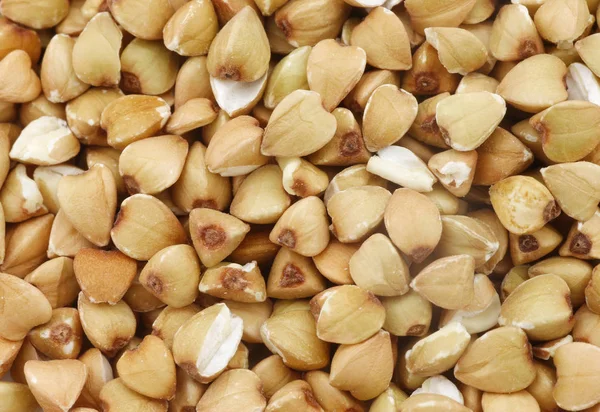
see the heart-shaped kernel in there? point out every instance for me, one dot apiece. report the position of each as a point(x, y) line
point(90, 201)
point(149, 369)
point(56, 384)
point(333, 69)
point(387, 117)
point(18, 81)
point(298, 126)
point(228, 57)
point(535, 83)
point(145, 226)
point(383, 37)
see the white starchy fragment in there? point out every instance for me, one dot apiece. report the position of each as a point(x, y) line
point(164, 111)
point(401, 166)
point(440, 385)
point(54, 96)
point(479, 321)
point(389, 4)
point(234, 96)
point(220, 344)
point(523, 325)
point(582, 84)
point(46, 140)
point(290, 165)
point(30, 192)
point(455, 173)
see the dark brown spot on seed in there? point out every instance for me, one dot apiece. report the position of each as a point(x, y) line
point(188, 409)
point(61, 334)
point(299, 187)
point(310, 398)
point(527, 49)
point(355, 107)
point(212, 236)
point(350, 144)
point(130, 83)
point(580, 244)
point(155, 284)
point(120, 216)
point(315, 308)
point(190, 369)
point(415, 330)
point(285, 27)
point(420, 253)
point(372, 298)
point(207, 203)
point(291, 276)
point(118, 344)
point(426, 82)
point(542, 131)
point(131, 184)
point(551, 211)
point(234, 279)
point(229, 73)
point(528, 243)
point(287, 238)
point(430, 126)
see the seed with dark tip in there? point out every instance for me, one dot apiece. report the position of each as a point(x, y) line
point(528, 243)
point(527, 49)
point(415, 330)
point(61, 334)
point(207, 203)
point(551, 211)
point(287, 238)
point(429, 125)
point(130, 83)
point(212, 236)
point(310, 398)
point(419, 254)
point(350, 144)
point(234, 279)
point(154, 283)
point(580, 244)
point(291, 277)
point(426, 82)
point(131, 184)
